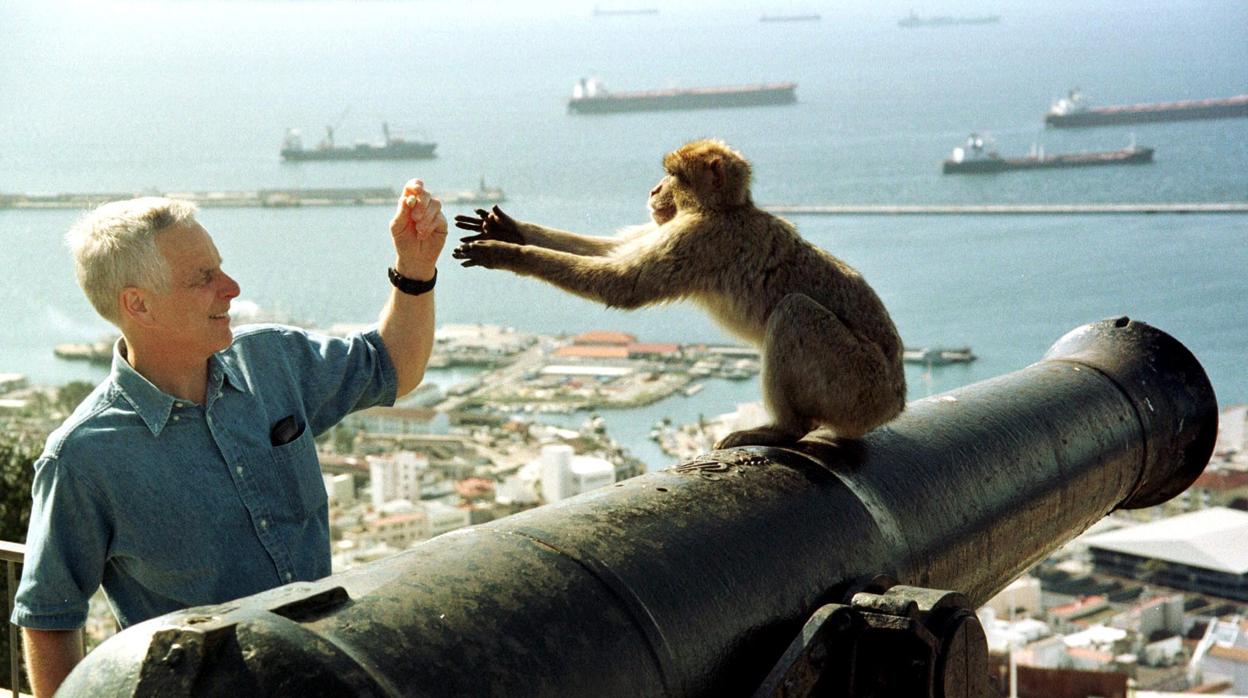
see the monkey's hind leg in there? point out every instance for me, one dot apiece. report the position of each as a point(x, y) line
point(815, 372)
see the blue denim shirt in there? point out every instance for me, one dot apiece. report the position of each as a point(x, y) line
point(170, 504)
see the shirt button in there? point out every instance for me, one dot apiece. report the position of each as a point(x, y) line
point(177, 417)
point(287, 576)
point(264, 523)
point(239, 469)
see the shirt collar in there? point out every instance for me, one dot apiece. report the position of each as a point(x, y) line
point(149, 402)
point(154, 405)
point(222, 372)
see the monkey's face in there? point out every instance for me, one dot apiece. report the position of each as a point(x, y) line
point(663, 200)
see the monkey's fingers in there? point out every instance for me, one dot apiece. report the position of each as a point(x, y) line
point(474, 238)
point(502, 217)
point(469, 223)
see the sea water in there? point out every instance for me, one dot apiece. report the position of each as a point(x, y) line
point(194, 96)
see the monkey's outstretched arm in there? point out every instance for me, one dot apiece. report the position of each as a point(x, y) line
point(496, 225)
point(616, 282)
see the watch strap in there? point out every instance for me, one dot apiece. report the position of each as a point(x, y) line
point(412, 287)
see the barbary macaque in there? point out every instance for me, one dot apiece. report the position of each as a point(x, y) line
point(831, 355)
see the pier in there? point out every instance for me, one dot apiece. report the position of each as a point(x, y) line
point(254, 198)
point(1003, 209)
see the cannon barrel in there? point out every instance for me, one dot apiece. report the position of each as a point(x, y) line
point(693, 580)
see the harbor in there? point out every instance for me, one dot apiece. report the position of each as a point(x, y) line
point(279, 198)
point(253, 198)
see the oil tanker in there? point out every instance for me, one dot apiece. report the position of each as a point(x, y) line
point(392, 148)
point(1072, 112)
point(974, 158)
point(590, 97)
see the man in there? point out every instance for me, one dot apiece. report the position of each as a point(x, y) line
point(189, 476)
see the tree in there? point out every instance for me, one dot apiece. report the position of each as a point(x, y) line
point(69, 395)
point(18, 452)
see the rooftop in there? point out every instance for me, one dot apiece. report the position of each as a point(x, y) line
point(604, 337)
point(1211, 539)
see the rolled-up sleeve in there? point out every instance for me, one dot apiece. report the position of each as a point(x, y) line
point(339, 375)
point(66, 544)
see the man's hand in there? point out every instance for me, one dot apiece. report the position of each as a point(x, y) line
point(419, 232)
point(490, 225)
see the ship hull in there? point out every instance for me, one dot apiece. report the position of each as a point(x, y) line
point(673, 100)
point(1177, 111)
point(1129, 156)
point(407, 151)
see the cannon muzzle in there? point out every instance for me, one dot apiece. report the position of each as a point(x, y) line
point(692, 581)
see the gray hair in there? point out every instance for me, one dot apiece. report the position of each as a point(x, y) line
point(114, 246)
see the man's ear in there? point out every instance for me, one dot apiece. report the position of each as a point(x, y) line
point(134, 305)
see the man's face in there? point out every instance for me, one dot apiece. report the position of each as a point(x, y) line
point(194, 313)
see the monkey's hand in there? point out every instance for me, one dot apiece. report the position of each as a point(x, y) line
point(490, 225)
point(491, 254)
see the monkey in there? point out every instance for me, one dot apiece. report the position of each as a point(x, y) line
point(831, 355)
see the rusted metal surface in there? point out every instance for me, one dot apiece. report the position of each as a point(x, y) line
point(906, 641)
point(693, 580)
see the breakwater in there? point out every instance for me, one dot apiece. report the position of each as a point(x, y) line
point(262, 198)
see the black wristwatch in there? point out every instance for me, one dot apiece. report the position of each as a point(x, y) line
point(412, 287)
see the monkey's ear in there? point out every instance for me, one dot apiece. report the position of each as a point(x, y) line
point(715, 168)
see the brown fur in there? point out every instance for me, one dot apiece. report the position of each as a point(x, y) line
point(831, 355)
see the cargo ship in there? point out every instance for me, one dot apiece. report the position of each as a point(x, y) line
point(624, 11)
point(975, 158)
point(913, 20)
point(392, 148)
point(811, 17)
point(938, 356)
point(590, 97)
point(1072, 112)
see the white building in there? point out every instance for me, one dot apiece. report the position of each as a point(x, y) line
point(396, 476)
point(440, 518)
point(340, 488)
point(564, 474)
point(1019, 599)
point(400, 530)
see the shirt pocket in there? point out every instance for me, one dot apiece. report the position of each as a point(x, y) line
point(298, 473)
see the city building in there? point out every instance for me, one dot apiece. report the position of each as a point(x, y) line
point(1202, 551)
point(440, 518)
point(384, 419)
point(399, 530)
point(564, 474)
point(591, 351)
point(340, 488)
point(396, 476)
point(1222, 655)
point(604, 337)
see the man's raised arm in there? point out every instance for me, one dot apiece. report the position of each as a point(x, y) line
point(407, 320)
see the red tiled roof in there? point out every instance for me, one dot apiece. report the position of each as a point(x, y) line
point(652, 348)
point(592, 352)
point(604, 337)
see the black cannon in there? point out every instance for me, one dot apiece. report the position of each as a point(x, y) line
point(695, 580)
